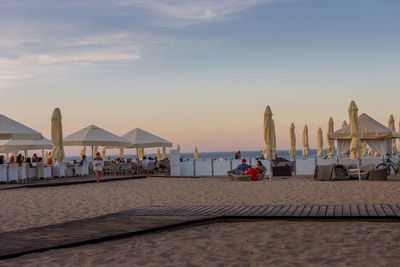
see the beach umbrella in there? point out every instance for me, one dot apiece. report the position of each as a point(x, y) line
point(292, 150)
point(95, 150)
point(269, 135)
point(196, 153)
point(320, 143)
point(17, 145)
point(330, 145)
point(164, 153)
point(10, 129)
point(139, 138)
point(344, 124)
point(57, 136)
point(103, 153)
point(306, 148)
point(364, 150)
point(355, 145)
point(121, 152)
point(158, 154)
point(83, 152)
point(178, 148)
point(391, 126)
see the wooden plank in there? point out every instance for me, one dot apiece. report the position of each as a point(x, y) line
point(396, 209)
point(266, 211)
point(199, 211)
point(172, 211)
point(210, 210)
point(306, 211)
point(379, 210)
point(322, 211)
point(354, 211)
point(330, 211)
point(346, 211)
point(388, 210)
point(245, 211)
point(363, 211)
point(338, 211)
point(276, 209)
point(290, 211)
point(282, 211)
point(232, 210)
point(371, 210)
point(158, 212)
point(254, 211)
point(238, 211)
point(259, 210)
point(314, 211)
point(298, 211)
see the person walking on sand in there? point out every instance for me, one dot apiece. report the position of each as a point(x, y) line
point(98, 164)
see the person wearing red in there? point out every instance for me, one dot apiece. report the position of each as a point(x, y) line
point(255, 171)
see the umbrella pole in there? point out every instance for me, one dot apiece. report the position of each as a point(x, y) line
point(92, 155)
point(137, 160)
point(359, 172)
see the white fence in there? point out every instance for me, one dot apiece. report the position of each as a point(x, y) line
point(220, 167)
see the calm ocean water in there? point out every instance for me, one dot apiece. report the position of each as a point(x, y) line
point(209, 155)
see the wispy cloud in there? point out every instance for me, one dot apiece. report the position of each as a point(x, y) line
point(188, 12)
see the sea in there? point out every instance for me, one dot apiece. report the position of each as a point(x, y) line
point(211, 155)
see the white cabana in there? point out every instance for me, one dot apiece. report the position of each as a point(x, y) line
point(10, 129)
point(94, 136)
point(139, 138)
point(13, 145)
point(376, 135)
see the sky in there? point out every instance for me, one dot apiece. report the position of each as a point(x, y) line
point(199, 73)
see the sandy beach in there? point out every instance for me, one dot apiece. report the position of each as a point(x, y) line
point(263, 243)
point(34, 207)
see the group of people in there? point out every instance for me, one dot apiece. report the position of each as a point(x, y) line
point(20, 159)
point(254, 171)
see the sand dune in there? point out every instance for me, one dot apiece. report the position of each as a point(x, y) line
point(26, 208)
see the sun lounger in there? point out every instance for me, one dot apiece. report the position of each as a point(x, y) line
point(323, 172)
point(379, 174)
point(340, 173)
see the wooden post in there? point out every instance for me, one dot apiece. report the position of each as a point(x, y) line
point(194, 167)
point(212, 167)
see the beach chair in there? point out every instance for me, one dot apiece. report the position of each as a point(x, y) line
point(340, 173)
point(3, 173)
point(13, 172)
point(323, 172)
point(31, 173)
point(261, 176)
point(379, 174)
point(42, 171)
point(231, 173)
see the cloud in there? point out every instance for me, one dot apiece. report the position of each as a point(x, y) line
point(188, 12)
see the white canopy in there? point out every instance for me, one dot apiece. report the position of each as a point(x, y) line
point(13, 145)
point(139, 138)
point(94, 136)
point(377, 136)
point(10, 129)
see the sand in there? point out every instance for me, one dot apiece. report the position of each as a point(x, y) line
point(34, 207)
point(262, 243)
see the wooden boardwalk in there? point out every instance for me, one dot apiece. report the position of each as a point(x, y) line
point(149, 219)
point(67, 181)
point(278, 211)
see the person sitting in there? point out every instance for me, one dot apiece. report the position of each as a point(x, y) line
point(49, 160)
point(255, 171)
point(83, 160)
point(29, 161)
point(2, 161)
point(35, 158)
point(12, 160)
point(145, 162)
point(242, 168)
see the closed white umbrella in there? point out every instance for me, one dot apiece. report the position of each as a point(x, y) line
point(141, 153)
point(269, 135)
point(320, 143)
point(178, 148)
point(103, 153)
point(164, 153)
point(306, 148)
point(330, 145)
point(370, 153)
point(158, 154)
point(391, 125)
point(355, 145)
point(57, 136)
point(292, 150)
point(364, 149)
point(121, 152)
point(196, 153)
point(83, 152)
point(344, 124)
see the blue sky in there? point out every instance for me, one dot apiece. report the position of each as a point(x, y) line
point(199, 72)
